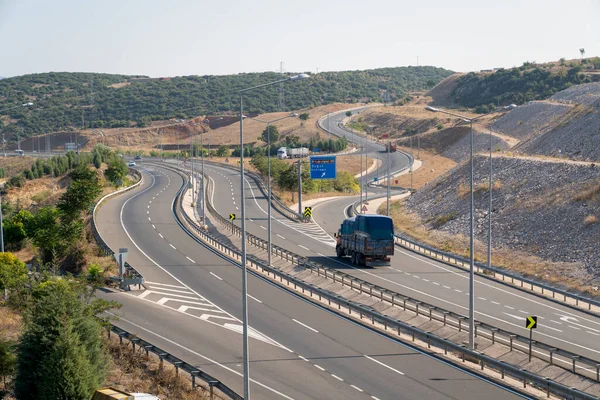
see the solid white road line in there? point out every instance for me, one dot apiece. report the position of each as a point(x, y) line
point(169, 290)
point(304, 325)
point(384, 365)
point(164, 284)
point(216, 276)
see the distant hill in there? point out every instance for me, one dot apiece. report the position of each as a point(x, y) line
point(62, 99)
point(487, 89)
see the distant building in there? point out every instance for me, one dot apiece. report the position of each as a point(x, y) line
point(70, 146)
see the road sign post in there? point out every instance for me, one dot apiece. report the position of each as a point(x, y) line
point(307, 212)
point(232, 218)
point(323, 167)
point(121, 257)
point(531, 324)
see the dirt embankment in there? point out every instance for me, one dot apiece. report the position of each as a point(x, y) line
point(548, 209)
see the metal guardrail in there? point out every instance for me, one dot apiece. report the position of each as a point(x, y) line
point(383, 321)
point(176, 362)
point(539, 288)
point(131, 276)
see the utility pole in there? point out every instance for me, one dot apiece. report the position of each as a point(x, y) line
point(389, 177)
point(411, 164)
point(361, 178)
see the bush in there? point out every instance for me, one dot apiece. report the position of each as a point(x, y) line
point(16, 181)
point(303, 116)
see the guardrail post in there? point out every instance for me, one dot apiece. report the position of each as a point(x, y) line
point(597, 372)
point(460, 319)
point(430, 313)
point(575, 358)
point(524, 379)
point(161, 357)
point(176, 364)
point(417, 304)
point(193, 374)
point(552, 350)
point(121, 338)
point(494, 330)
point(147, 348)
point(511, 337)
point(476, 325)
point(445, 313)
point(211, 385)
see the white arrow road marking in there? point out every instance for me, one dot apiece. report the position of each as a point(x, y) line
point(575, 321)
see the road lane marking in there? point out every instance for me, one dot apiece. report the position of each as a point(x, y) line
point(357, 388)
point(194, 262)
point(175, 248)
point(263, 227)
point(337, 377)
point(164, 284)
point(304, 325)
point(216, 276)
point(280, 236)
point(574, 327)
point(524, 312)
point(254, 298)
point(435, 283)
point(153, 226)
point(204, 357)
point(160, 234)
point(592, 333)
point(556, 322)
point(305, 248)
point(509, 307)
point(446, 287)
point(303, 358)
point(318, 366)
point(458, 290)
point(147, 292)
point(495, 302)
point(384, 365)
point(482, 298)
point(168, 290)
point(426, 280)
point(149, 219)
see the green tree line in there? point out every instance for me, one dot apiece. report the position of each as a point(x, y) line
point(62, 100)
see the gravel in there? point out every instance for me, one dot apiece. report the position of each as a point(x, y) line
point(587, 94)
point(535, 209)
point(530, 119)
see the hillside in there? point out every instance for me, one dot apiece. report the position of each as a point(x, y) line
point(61, 100)
point(531, 81)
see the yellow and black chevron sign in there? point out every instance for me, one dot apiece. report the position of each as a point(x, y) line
point(231, 217)
point(308, 212)
point(531, 322)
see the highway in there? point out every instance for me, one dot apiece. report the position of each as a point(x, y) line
point(411, 274)
point(192, 308)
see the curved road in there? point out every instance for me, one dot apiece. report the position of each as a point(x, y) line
point(298, 350)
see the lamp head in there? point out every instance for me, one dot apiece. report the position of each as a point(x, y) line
point(27, 104)
point(293, 114)
point(510, 107)
point(432, 109)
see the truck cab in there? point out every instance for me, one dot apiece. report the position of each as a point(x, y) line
point(282, 153)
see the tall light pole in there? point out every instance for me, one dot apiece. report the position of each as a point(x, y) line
point(389, 177)
point(269, 178)
point(472, 217)
point(243, 228)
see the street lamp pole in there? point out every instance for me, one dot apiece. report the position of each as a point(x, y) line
point(389, 177)
point(246, 361)
point(269, 195)
point(489, 255)
point(471, 217)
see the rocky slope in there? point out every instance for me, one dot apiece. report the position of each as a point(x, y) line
point(546, 208)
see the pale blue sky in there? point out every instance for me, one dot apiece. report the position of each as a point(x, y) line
point(184, 37)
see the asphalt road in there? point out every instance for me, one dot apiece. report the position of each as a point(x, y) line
point(411, 274)
point(298, 350)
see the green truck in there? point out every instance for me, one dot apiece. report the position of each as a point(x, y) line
point(367, 239)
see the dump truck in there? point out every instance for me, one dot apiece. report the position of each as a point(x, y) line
point(367, 239)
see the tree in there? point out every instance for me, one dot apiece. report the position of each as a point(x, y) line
point(303, 116)
point(8, 361)
point(81, 194)
point(582, 51)
point(61, 355)
point(12, 271)
point(273, 131)
point(97, 160)
point(116, 171)
point(348, 113)
point(223, 151)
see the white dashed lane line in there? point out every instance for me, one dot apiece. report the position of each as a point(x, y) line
point(216, 276)
point(254, 298)
point(263, 227)
point(280, 236)
point(194, 262)
point(303, 358)
point(161, 236)
point(496, 303)
point(175, 248)
point(384, 365)
point(357, 388)
point(337, 377)
point(509, 307)
point(305, 248)
point(304, 325)
point(319, 367)
point(153, 226)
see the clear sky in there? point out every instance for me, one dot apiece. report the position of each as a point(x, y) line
point(185, 37)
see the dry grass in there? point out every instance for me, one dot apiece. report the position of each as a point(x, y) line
point(590, 192)
point(133, 372)
point(433, 166)
point(15, 165)
point(560, 273)
point(172, 134)
point(590, 220)
point(10, 324)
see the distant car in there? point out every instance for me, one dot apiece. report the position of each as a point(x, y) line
point(138, 157)
point(131, 164)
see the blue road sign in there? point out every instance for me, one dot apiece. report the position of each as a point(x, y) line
point(322, 167)
point(316, 150)
point(375, 179)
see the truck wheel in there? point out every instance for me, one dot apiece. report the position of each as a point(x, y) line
point(353, 258)
point(339, 252)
